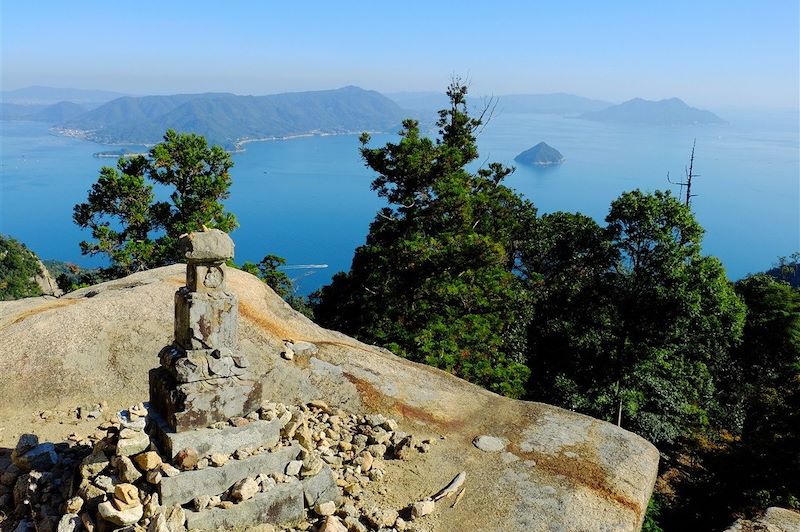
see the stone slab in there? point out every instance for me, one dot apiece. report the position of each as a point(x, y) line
point(321, 488)
point(206, 320)
point(207, 441)
point(193, 405)
point(281, 505)
point(184, 487)
point(210, 245)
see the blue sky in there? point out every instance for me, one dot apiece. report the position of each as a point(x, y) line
point(710, 53)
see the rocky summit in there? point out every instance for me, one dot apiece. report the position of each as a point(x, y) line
point(437, 452)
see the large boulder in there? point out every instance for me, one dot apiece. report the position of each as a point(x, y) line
point(775, 519)
point(558, 470)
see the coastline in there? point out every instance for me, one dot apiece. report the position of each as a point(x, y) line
point(238, 145)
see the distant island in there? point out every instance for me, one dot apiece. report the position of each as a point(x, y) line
point(671, 112)
point(232, 120)
point(540, 155)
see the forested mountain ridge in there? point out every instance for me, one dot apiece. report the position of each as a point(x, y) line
point(228, 118)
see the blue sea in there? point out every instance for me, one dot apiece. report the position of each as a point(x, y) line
point(308, 199)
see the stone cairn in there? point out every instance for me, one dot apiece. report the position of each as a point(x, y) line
point(202, 379)
point(207, 453)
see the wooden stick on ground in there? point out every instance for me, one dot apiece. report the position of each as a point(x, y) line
point(451, 488)
point(458, 497)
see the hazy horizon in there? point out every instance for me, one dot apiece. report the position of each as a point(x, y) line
point(714, 55)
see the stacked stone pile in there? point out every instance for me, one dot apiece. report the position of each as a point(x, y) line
point(317, 472)
point(205, 453)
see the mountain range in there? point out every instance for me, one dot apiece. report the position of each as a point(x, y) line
point(228, 118)
point(671, 112)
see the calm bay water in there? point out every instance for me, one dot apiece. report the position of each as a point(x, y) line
point(308, 199)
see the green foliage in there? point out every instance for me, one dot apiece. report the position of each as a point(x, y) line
point(71, 277)
point(769, 389)
point(787, 269)
point(135, 231)
point(629, 318)
point(268, 271)
point(757, 466)
point(18, 269)
point(651, 517)
point(434, 280)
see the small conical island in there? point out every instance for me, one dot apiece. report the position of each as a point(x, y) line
point(540, 155)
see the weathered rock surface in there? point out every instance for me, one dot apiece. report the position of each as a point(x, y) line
point(42, 457)
point(128, 516)
point(560, 470)
point(788, 520)
point(46, 282)
point(774, 520)
point(490, 444)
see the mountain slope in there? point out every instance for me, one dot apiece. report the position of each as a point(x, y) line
point(228, 118)
point(560, 470)
point(50, 95)
point(673, 111)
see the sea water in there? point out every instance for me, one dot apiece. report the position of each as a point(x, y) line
point(308, 199)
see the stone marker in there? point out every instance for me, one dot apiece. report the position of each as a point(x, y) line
point(202, 378)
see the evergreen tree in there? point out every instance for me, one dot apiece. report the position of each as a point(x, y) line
point(135, 231)
point(267, 270)
point(434, 281)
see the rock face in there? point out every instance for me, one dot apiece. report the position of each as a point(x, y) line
point(774, 520)
point(46, 282)
point(558, 470)
point(540, 155)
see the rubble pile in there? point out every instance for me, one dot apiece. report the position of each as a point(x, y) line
point(317, 471)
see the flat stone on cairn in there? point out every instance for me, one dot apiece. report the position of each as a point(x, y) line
point(202, 378)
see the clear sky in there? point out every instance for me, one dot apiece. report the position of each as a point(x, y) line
point(713, 53)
